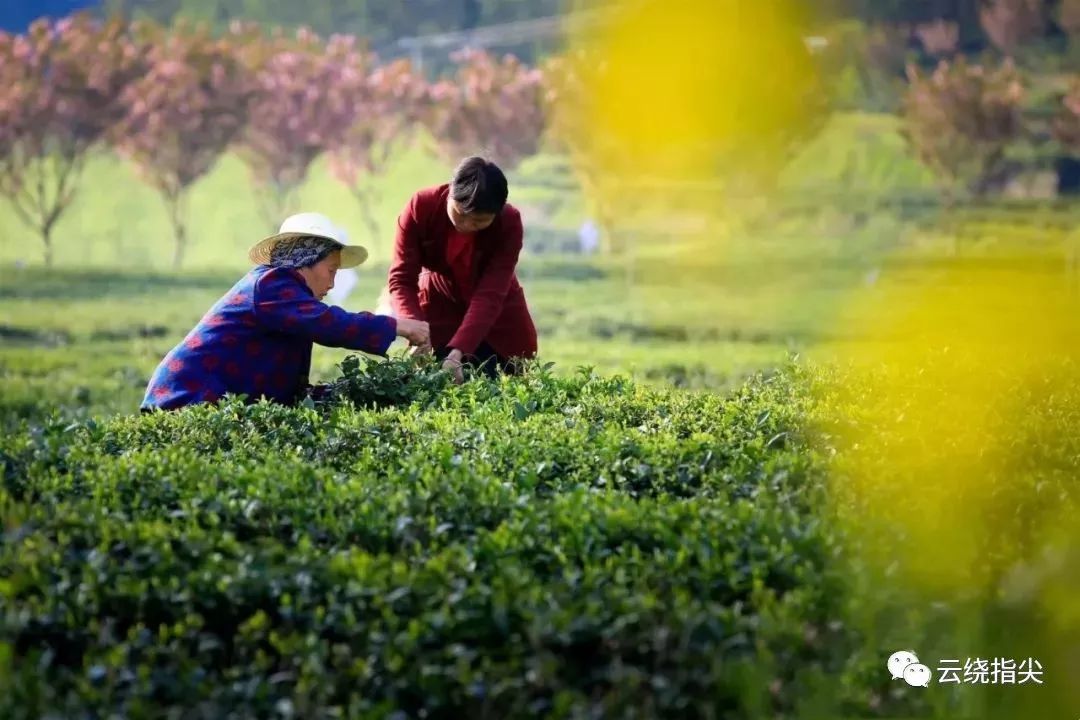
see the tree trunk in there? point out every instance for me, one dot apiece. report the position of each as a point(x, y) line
point(46, 238)
point(175, 201)
point(41, 188)
point(367, 213)
point(180, 234)
point(276, 203)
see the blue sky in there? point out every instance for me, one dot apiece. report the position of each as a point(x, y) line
point(16, 15)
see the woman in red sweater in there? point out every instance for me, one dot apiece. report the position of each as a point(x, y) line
point(454, 267)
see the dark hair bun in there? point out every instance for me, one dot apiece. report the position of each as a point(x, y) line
point(478, 186)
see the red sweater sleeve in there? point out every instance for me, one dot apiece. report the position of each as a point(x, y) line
point(491, 288)
point(403, 280)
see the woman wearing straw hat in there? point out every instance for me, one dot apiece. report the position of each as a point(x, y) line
point(454, 265)
point(257, 339)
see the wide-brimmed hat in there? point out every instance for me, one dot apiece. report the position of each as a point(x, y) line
point(309, 224)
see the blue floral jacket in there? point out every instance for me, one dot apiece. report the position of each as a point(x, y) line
point(257, 340)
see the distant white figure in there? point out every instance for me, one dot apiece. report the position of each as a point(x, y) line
point(344, 280)
point(385, 305)
point(589, 237)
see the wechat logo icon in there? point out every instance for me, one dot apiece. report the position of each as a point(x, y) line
point(904, 665)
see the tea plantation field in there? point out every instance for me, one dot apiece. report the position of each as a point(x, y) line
point(544, 546)
point(663, 518)
point(565, 544)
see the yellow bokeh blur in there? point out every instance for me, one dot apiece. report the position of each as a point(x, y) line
point(951, 367)
point(677, 102)
point(959, 370)
point(681, 105)
point(956, 419)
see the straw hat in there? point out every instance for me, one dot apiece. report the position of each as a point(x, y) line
point(309, 224)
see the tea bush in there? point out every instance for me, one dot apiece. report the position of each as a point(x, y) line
point(539, 546)
point(532, 546)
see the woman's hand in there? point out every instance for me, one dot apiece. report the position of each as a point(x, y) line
point(415, 331)
point(420, 350)
point(452, 364)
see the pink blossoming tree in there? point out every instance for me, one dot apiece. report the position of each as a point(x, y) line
point(308, 94)
point(61, 85)
point(492, 107)
point(183, 113)
point(390, 103)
